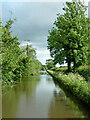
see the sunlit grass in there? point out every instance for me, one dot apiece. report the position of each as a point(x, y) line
point(74, 83)
point(82, 70)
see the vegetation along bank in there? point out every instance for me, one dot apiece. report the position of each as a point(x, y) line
point(15, 60)
point(68, 42)
point(73, 83)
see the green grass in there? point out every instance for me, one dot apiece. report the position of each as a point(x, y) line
point(82, 70)
point(74, 83)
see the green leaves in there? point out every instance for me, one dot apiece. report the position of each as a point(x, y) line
point(71, 34)
point(15, 60)
point(75, 52)
point(50, 64)
point(32, 65)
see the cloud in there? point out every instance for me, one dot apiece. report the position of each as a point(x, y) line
point(42, 52)
point(34, 19)
point(43, 57)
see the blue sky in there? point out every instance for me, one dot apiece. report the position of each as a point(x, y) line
point(34, 19)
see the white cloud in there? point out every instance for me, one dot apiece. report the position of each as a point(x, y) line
point(43, 55)
point(25, 43)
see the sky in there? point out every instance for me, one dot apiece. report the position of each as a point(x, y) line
point(34, 19)
point(38, 0)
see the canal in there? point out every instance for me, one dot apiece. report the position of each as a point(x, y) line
point(38, 97)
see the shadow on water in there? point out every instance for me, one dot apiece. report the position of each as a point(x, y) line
point(72, 101)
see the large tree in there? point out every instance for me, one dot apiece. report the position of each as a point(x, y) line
point(68, 40)
point(11, 54)
point(16, 61)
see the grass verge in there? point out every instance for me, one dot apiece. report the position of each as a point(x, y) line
point(75, 84)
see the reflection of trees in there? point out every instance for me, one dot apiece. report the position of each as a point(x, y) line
point(63, 105)
point(11, 99)
point(49, 79)
point(58, 108)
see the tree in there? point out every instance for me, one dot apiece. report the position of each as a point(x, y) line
point(10, 54)
point(68, 40)
point(0, 45)
point(44, 67)
point(50, 64)
point(16, 61)
point(33, 65)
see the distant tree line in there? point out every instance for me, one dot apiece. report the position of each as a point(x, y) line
point(15, 61)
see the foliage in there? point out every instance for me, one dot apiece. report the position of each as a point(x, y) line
point(68, 40)
point(50, 64)
point(16, 61)
point(44, 67)
point(75, 84)
point(10, 53)
point(33, 65)
point(0, 49)
point(84, 71)
point(62, 69)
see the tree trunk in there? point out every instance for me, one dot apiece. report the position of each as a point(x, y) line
point(27, 50)
point(74, 64)
point(69, 66)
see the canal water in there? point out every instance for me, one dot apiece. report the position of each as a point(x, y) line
point(38, 97)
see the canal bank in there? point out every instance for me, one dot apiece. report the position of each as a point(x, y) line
point(74, 84)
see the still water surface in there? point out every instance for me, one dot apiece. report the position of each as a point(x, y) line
point(38, 97)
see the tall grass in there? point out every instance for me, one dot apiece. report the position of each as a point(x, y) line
point(82, 70)
point(75, 84)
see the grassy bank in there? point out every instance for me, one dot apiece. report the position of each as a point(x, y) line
point(75, 84)
point(82, 70)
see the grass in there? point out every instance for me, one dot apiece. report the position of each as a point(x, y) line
point(82, 70)
point(74, 83)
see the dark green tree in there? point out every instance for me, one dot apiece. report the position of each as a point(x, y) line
point(10, 53)
point(68, 40)
point(50, 64)
point(0, 47)
point(15, 61)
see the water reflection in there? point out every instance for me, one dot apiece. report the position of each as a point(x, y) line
point(13, 97)
point(59, 107)
point(72, 103)
point(38, 97)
